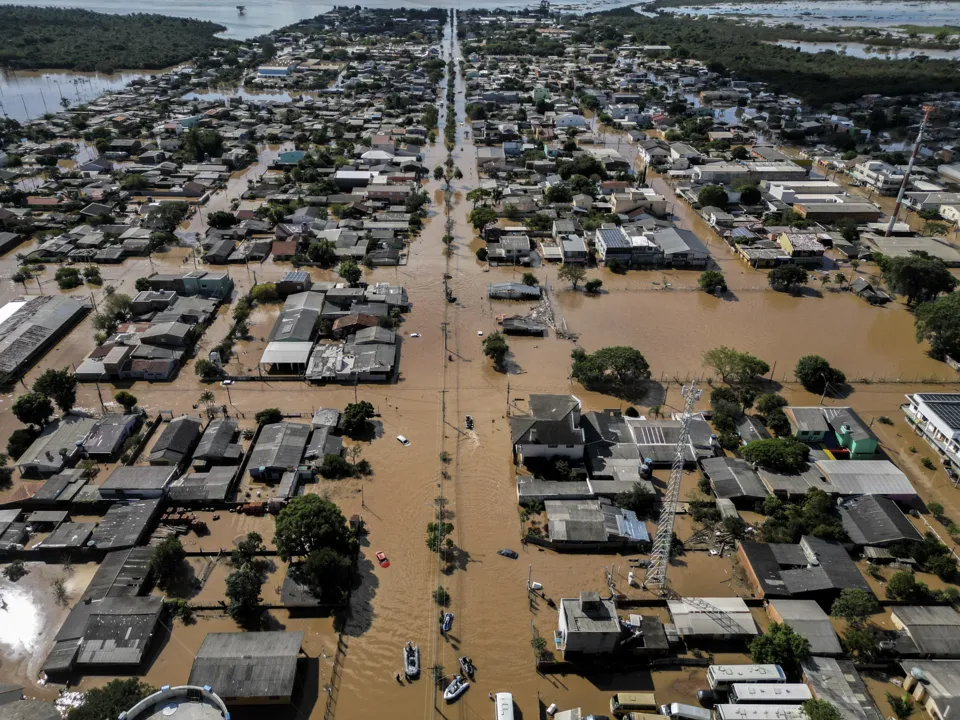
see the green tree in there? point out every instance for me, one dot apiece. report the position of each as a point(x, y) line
point(713, 196)
point(859, 643)
point(777, 454)
point(619, 365)
point(166, 561)
point(111, 700)
point(221, 220)
point(902, 585)
point(739, 153)
point(821, 710)
point(921, 278)
point(787, 277)
point(68, 278)
point(638, 499)
point(778, 422)
point(19, 440)
point(310, 522)
point(58, 385)
point(335, 467)
point(749, 195)
point(593, 286)
point(482, 216)
point(782, 646)
point(572, 273)
point(142, 284)
point(734, 366)
point(712, 280)
point(437, 535)
point(558, 194)
point(855, 605)
point(322, 252)
point(243, 592)
point(327, 573)
point(350, 272)
point(938, 322)
point(814, 373)
point(167, 216)
point(496, 348)
point(33, 409)
point(268, 416)
point(355, 417)
point(438, 173)
point(248, 552)
point(205, 369)
point(768, 402)
point(529, 279)
point(264, 292)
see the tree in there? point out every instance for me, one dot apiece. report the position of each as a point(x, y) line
point(593, 286)
point(778, 422)
point(815, 373)
point(902, 585)
point(142, 284)
point(529, 279)
point(855, 606)
point(787, 277)
point(858, 642)
point(739, 153)
point(167, 216)
point(111, 700)
point(264, 292)
point(335, 467)
point(938, 322)
point(58, 385)
point(821, 710)
point(268, 416)
point(496, 348)
point(782, 646)
point(248, 552)
point(166, 561)
point(713, 196)
point(777, 454)
point(735, 367)
point(322, 252)
point(207, 398)
point(33, 409)
point(243, 592)
point(849, 231)
point(749, 195)
point(350, 271)
point(936, 509)
point(438, 173)
point(68, 278)
point(482, 216)
point(558, 194)
point(310, 522)
point(19, 440)
point(638, 499)
point(437, 533)
point(221, 220)
point(326, 573)
point(920, 277)
point(712, 280)
point(355, 416)
point(768, 402)
point(572, 273)
point(205, 369)
point(621, 365)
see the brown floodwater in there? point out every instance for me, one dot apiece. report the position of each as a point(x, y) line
point(441, 382)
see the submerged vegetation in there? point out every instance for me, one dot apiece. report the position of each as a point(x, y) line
point(74, 39)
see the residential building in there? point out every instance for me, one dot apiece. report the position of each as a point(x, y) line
point(573, 249)
point(808, 619)
point(137, 482)
point(218, 445)
point(681, 248)
point(936, 416)
point(590, 522)
point(612, 243)
point(588, 625)
point(59, 445)
point(933, 684)
point(278, 450)
point(933, 631)
point(734, 479)
point(881, 176)
point(804, 248)
point(31, 325)
point(876, 521)
point(552, 429)
point(177, 441)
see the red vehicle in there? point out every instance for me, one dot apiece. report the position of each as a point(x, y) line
point(383, 560)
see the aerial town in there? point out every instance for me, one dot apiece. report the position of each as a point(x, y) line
point(481, 363)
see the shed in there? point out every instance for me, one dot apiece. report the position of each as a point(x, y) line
point(808, 619)
point(176, 441)
point(838, 682)
point(934, 629)
point(712, 617)
point(734, 479)
point(244, 667)
point(876, 520)
point(136, 481)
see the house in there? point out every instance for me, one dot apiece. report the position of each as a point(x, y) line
point(720, 618)
point(933, 631)
point(278, 450)
point(936, 416)
point(681, 248)
point(734, 479)
point(573, 249)
point(588, 625)
point(612, 243)
point(490, 158)
point(876, 521)
point(873, 295)
point(59, 445)
point(249, 668)
point(804, 248)
point(105, 440)
point(814, 568)
point(590, 522)
point(881, 176)
point(807, 424)
point(177, 441)
point(552, 429)
point(218, 445)
point(808, 619)
point(867, 477)
point(136, 481)
point(838, 682)
point(851, 431)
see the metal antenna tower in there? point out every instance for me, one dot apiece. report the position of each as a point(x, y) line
point(660, 555)
point(927, 109)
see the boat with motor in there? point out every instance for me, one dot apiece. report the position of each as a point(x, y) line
point(455, 689)
point(411, 660)
point(466, 664)
point(447, 622)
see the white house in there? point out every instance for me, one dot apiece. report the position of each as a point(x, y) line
point(588, 624)
point(571, 121)
point(881, 176)
point(552, 429)
point(936, 416)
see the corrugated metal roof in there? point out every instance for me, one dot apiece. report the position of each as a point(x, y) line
point(280, 445)
point(248, 665)
point(866, 477)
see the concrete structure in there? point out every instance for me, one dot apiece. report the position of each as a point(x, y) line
point(249, 668)
point(551, 430)
point(187, 702)
point(695, 620)
point(588, 625)
point(881, 176)
point(936, 416)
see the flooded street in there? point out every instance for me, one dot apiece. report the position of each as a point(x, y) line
point(29, 94)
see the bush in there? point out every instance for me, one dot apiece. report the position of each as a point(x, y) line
point(593, 286)
point(126, 399)
point(814, 373)
point(335, 467)
point(68, 278)
point(264, 293)
point(20, 440)
point(111, 700)
point(441, 596)
point(205, 369)
point(15, 570)
point(777, 454)
point(268, 416)
point(712, 280)
point(482, 254)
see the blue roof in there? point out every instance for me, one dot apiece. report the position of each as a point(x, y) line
point(613, 237)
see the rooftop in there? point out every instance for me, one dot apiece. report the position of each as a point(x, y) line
point(248, 665)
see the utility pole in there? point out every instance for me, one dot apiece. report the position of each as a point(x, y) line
point(927, 109)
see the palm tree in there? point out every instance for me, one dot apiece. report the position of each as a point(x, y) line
point(207, 398)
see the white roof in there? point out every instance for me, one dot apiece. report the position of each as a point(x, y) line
point(692, 620)
point(866, 477)
point(294, 353)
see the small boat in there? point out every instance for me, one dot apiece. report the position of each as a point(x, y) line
point(382, 559)
point(455, 689)
point(469, 422)
point(447, 622)
point(411, 660)
point(508, 553)
point(466, 664)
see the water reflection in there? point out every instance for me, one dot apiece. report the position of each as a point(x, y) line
point(26, 95)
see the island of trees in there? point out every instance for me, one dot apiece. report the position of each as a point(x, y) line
point(73, 39)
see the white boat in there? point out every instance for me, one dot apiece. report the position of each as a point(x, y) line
point(455, 689)
point(411, 660)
